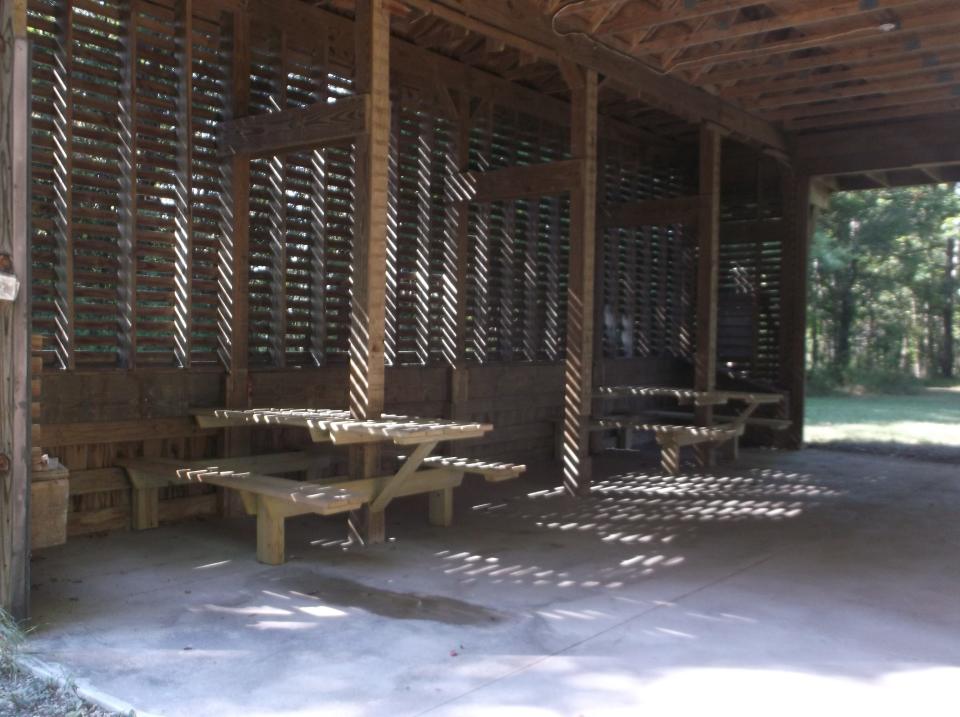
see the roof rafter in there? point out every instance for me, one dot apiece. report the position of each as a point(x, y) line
point(516, 23)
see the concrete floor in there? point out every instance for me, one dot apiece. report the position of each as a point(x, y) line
point(815, 583)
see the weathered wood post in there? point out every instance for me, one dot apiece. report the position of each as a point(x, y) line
point(14, 312)
point(578, 364)
point(708, 279)
point(800, 219)
point(369, 268)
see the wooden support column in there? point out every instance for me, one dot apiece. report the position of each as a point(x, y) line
point(127, 219)
point(578, 364)
point(235, 248)
point(183, 214)
point(800, 220)
point(368, 271)
point(455, 263)
point(14, 311)
point(708, 279)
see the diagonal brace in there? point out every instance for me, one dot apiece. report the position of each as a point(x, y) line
point(394, 483)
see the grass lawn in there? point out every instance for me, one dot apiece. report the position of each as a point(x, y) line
point(929, 418)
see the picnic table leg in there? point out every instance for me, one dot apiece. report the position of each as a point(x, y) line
point(367, 526)
point(270, 533)
point(441, 507)
point(145, 502)
point(669, 455)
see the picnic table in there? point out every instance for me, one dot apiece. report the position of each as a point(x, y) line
point(272, 498)
point(671, 437)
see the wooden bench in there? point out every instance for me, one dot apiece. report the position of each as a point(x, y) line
point(273, 499)
point(672, 437)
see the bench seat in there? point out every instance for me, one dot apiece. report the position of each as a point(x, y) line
point(492, 472)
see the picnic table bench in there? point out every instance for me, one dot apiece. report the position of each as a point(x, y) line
point(273, 499)
point(671, 437)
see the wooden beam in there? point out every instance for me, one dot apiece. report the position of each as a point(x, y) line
point(678, 210)
point(369, 266)
point(811, 12)
point(800, 102)
point(295, 129)
point(512, 22)
point(65, 336)
point(522, 182)
point(15, 419)
point(800, 220)
point(843, 73)
point(639, 16)
point(914, 143)
point(923, 33)
point(843, 31)
point(578, 361)
point(708, 278)
point(870, 115)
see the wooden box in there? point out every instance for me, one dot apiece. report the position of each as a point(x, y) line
point(49, 498)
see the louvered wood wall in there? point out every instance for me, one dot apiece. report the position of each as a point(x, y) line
point(130, 257)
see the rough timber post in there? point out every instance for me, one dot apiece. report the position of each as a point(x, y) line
point(708, 278)
point(235, 250)
point(14, 312)
point(800, 218)
point(368, 272)
point(578, 364)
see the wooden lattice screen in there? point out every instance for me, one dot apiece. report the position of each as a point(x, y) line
point(648, 273)
point(128, 226)
point(751, 251)
point(518, 249)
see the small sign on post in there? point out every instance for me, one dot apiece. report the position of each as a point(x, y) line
point(9, 287)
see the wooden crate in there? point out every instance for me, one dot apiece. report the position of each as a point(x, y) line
point(49, 498)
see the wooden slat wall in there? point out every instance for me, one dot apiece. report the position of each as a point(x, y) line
point(113, 266)
point(648, 272)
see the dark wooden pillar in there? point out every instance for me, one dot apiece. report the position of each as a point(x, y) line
point(578, 364)
point(14, 313)
point(708, 278)
point(799, 222)
point(368, 272)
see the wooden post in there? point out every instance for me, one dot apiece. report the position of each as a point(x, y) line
point(235, 248)
point(455, 261)
point(708, 280)
point(127, 219)
point(14, 314)
point(368, 271)
point(800, 220)
point(183, 210)
point(578, 364)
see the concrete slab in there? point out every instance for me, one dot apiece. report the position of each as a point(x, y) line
point(805, 583)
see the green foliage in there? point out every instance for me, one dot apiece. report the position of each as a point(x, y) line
point(880, 289)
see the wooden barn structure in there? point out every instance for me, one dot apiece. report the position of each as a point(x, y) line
point(482, 211)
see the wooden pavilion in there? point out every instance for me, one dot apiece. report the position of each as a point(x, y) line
point(481, 211)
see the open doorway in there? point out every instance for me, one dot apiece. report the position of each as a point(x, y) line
point(882, 353)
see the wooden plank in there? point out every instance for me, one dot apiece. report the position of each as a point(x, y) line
point(678, 210)
point(528, 181)
point(95, 432)
point(14, 315)
point(708, 276)
point(578, 362)
point(369, 261)
point(295, 129)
